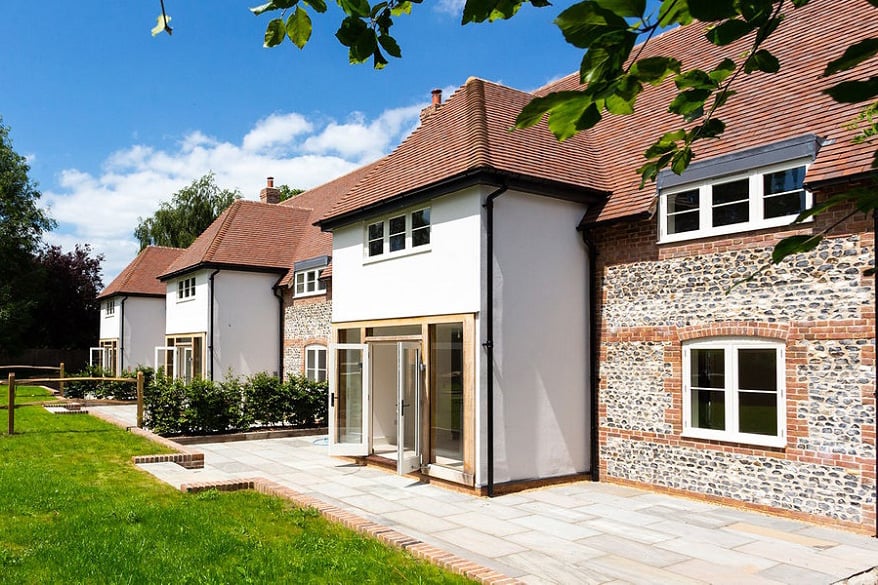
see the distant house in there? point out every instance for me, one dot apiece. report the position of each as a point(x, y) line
point(224, 312)
point(132, 313)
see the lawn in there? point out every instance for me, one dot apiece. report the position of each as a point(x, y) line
point(74, 509)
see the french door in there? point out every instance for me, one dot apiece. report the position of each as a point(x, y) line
point(349, 396)
point(408, 401)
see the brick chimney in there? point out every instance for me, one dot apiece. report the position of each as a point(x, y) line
point(436, 102)
point(270, 193)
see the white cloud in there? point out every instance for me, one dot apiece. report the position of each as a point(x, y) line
point(102, 208)
point(453, 7)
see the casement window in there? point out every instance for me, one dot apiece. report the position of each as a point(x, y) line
point(315, 363)
point(762, 198)
point(186, 289)
point(308, 283)
point(110, 308)
point(734, 390)
point(398, 234)
point(183, 357)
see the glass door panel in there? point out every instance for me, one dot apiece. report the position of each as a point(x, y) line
point(409, 404)
point(349, 400)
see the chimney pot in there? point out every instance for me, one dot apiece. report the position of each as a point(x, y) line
point(270, 193)
point(270, 182)
point(437, 97)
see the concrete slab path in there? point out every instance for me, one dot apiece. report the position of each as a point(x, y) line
point(583, 532)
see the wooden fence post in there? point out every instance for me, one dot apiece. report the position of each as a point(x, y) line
point(11, 406)
point(140, 400)
point(61, 383)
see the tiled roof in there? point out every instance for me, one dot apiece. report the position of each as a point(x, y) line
point(140, 277)
point(766, 108)
point(314, 242)
point(247, 234)
point(471, 132)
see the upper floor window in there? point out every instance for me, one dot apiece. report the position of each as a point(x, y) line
point(398, 233)
point(110, 308)
point(308, 283)
point(734, 390)
point(186, 288)
point(767, 197)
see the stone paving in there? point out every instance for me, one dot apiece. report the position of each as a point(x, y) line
point(582, 532)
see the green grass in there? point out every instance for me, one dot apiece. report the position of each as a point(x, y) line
point(25, 394)
point(74, 509)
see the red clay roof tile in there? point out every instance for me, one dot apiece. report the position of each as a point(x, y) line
point(140, 277)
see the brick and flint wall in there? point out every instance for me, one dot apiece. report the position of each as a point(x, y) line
point(652, 298)
point(307, 321)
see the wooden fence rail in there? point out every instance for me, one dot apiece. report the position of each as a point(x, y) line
point(11, 382)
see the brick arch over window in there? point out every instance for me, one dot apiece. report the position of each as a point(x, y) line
point(777, 331)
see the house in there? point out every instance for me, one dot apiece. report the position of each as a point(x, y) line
point(224, 310)
point(132, 312)
point(508, 310)
point(460, 288)
point(760, 393)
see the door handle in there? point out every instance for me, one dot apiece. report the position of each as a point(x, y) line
point(332, 399)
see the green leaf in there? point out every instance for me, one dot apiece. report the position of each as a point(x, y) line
point(712, 10)
point(667, 143)
point(722, 71)
point(654, 70)
point(673, 12)
point(401, 8)
point(299, 27)
point(763, 61)
point(618, 105)
point(389, 44)
point(632, 8)
point(710, 129)
point(350, 31)
point(689, 102)
point(273, 5)
point(729, 32)
point(359, 8)
point(853, 56)
point(680, 160)
point(584, 24)
point(275, 33)
point(721, 98)
point(365, 47)
point(534, 111)
point(695, 79)
point(794, 245)
point(161, 25)
point(378, 60)
point(851, 92)
point(589, 118)
point(482, 10)
point(318, 5)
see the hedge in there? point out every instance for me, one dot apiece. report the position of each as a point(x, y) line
point(202, 407)
point(98, 389)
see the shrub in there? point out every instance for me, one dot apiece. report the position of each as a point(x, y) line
point(265, 401)
point(211, 408)
point(308, 401)
point(163, 402)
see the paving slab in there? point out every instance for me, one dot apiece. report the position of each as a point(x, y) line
point(584, 532)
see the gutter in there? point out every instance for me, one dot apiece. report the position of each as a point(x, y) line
point(280, 327)
point(489, 326)
point(593, 356)
point(121, 336)
point(210, 320)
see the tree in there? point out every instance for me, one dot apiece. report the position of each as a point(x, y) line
point(607, 31)
point(22, 224)
point(287, 192)
point(66, 301)
point(191, 210)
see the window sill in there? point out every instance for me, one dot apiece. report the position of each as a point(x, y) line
point(740, 438)
point(310, 294)
point(397, 254)
point(188, 300)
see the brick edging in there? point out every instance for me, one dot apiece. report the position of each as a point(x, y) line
point(415, 547)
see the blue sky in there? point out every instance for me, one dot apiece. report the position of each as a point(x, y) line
point(114, 121)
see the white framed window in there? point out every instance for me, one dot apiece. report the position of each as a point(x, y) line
point(308, 283)
point(186, 288)
point(734, 390)
point(315, 363)
point(762, 198)
point(110, 308)
point(398, 234)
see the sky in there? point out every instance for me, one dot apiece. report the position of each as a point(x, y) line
point(113, 121)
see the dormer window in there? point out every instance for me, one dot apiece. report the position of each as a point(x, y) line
point(761, 198)
point(308, 283)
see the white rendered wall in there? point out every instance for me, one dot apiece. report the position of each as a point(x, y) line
point(188, 315)
point(110, 323)
point(443, 280)
point(144, 330)
point(246, 335)
point(541, 387)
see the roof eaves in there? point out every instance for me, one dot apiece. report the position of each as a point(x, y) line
point(222, 266)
